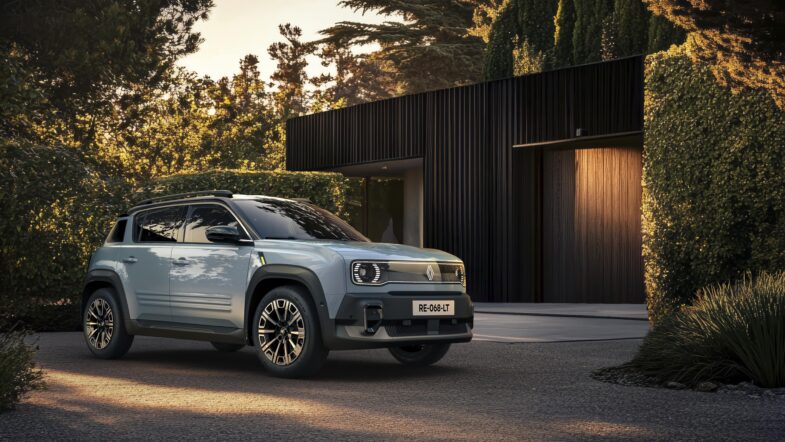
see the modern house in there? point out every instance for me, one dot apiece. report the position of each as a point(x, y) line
point(534, 181)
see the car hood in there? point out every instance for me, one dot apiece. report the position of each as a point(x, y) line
point(351, 250)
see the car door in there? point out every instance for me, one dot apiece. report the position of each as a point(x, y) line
point(144, 264)
point(208, 280)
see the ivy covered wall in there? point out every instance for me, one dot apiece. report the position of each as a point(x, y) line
point(713, 181)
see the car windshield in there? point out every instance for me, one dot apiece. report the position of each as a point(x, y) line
point(284, 219)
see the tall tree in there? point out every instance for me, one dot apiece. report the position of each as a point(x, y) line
point(290, 76)
point(745, 41)
point(88, 53)
point(631, 19)
point(428, 48)
point(562, 38)
point(534, 35)
point(357, 79)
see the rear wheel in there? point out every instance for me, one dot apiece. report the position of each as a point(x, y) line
point(227, 348)
point(104, 326)
point(419, 355)
point(288, 339)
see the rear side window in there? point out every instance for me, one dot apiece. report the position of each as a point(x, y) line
point(118, 232)
point(159, 225)
point(204, 216)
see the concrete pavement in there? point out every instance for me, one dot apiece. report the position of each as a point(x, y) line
point(536, 328)
point(609, 311)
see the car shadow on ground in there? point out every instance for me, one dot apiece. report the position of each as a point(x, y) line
point(340, 366)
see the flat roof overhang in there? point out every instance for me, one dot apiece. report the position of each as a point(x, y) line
point(619, 139)
point(380, 168)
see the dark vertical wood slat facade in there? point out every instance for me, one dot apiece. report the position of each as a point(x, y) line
point(482, 199)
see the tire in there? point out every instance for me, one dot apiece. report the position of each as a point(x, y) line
point(420, 355)
point(103, 326)
point(295, 349)
point(227, 348)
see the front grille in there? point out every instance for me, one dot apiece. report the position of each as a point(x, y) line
point(421, 327)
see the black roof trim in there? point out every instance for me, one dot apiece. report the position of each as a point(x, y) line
point(177, 196)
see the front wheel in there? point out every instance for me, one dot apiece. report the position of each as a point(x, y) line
point(288, 339)
point(419, 355)
point(104, 327)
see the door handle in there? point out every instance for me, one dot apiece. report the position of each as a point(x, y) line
point(130, 260)
point(181, 262)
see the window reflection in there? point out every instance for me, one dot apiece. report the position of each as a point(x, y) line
point(281, 219)
point(203, 217)
point(159, 225)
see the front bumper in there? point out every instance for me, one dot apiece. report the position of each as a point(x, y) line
point(396, 324)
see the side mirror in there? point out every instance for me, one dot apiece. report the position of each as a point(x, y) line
point(223, 234)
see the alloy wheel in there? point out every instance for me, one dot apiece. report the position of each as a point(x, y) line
point(281, 332)
point(99, 324)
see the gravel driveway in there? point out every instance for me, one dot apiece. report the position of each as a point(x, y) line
point(177, 390)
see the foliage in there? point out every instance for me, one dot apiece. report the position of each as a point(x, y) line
point(327, 190)
point(733, 332)
point(531, 36)
point(563, 31)
point(57, 207)
point(743, 41)
point(290, 70)
point(193, 124)
point(428, 49)
point(356, 79)
point(483, 17)
point(87, 53)
point(713, 181)
point(18, 372)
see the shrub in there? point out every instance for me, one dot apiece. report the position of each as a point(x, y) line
point(18, 372)
point(713, 182)
point(733, 332)
point(329, 190)
point(56, 209)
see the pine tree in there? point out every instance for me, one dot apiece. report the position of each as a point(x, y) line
point(428, 49)
point(564, 27)
point(631, 20)
point(499, 61)
point(289, 72)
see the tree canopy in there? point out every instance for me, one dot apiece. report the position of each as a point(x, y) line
point(427, 48)
point(529, 36)
point(745, 41)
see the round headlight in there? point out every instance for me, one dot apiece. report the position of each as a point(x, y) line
point(460, 275)
point(366, 273)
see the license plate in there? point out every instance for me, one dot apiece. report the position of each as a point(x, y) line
point(433, 308)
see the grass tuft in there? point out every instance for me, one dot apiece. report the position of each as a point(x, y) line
point(732, 333)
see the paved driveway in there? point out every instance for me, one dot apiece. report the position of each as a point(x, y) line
point(179, 390)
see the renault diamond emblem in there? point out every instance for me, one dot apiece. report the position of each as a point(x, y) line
point(429, 273)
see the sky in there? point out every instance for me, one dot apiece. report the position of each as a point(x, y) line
point(239, 27)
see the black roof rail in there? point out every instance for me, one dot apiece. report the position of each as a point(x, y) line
point(222, 193)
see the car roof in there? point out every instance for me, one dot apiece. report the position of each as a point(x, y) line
point(203, 196)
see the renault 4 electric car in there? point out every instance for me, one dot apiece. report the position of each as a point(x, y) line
point(284, 276)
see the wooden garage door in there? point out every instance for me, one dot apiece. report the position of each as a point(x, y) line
point(591, 226)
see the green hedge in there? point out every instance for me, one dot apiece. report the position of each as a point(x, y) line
point(714, 182)
point(56, 209)
point(331, 191)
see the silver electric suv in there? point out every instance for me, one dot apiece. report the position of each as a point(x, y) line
point(284, 276)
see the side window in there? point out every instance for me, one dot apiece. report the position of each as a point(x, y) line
point(118, 232)
point(205, 216)
point(159, 225)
